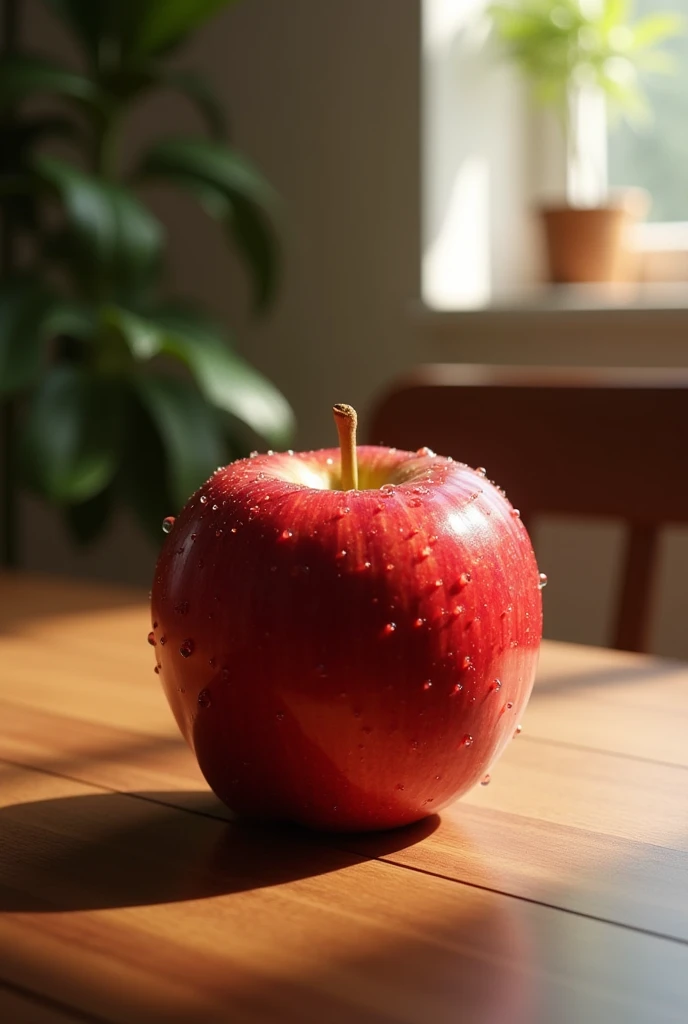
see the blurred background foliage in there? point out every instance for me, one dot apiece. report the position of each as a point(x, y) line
point(115, 391)
point(655, 156)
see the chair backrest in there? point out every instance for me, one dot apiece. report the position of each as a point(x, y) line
point(587, 442)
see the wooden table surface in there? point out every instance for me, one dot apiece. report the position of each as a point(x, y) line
point(559, 893)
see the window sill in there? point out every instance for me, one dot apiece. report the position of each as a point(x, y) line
point(639, 324)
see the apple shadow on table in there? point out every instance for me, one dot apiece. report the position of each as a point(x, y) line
point(112, 850)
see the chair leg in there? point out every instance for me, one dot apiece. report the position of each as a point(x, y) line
point(632, 630)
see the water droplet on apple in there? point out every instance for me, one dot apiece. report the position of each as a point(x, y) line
point(252, 455)
point(485, 781)
point(233, 529)
point(390, 566)
point(162, 641)
point(364, 566)
point(157, 670)
point(427, 685)
point(457, 610)
point(280, 716)
point(329, 461)
point(219, 532)
point(513, 643)
point(204, 699)
point(542, 581)
point(438, 583)
point(419, 623)
point(399, 786)
point(466, 661)
point(465, 578)
point(187, 648)
point(286, 535)
point(509, 705)
point(518, 730)
point(456, 689)
point(389, 629)
point(427, 452)
point(467, 740)
point(481, 471)
point(167, 524)
point(203, 499)
point(215, 508)
point(270, 451)
point(426, 551)
point(516, 513)
point(151, 638)
point(497, 685)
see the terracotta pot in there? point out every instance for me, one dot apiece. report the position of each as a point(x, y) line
point(588, 244)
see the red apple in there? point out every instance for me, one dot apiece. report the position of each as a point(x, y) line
point(347, 659)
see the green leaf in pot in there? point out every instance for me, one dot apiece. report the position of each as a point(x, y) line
point(225, 379)
point(30, 316)
point(70, 443)
point(116, 242)
point(232, 191)
point(188, 428)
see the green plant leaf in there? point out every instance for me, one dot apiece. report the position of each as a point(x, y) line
point(165, 23)
point(656, 28)
point(232, 191)
point(561, 45)
point(226, 380)
point(70, 442)
point(143, 337)
point(115, 242)
point(188, 428)
point(87, 520)
point(30, 315)
point(24, 75)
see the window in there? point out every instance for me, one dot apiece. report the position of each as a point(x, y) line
point(491, 156)
point(655, 157)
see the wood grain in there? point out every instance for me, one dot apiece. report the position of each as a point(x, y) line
point(123, 908)
point(26, 1008)
point(128, 893)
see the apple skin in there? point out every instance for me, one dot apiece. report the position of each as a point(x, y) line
point(348, 660)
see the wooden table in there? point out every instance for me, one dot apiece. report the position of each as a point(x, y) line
point(128, 894)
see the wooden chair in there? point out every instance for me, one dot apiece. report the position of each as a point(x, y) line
point(587, 442)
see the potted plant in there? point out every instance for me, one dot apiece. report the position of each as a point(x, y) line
point(572, 52)
point(115, 391)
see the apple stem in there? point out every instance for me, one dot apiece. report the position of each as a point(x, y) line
point(346, 419)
